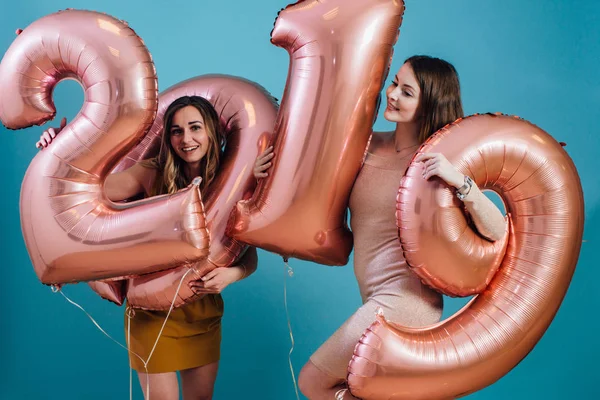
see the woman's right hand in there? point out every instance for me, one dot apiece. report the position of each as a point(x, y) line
point(48, 135)
point(263, 163)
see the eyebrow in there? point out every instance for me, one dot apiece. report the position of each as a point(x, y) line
point(189, 123)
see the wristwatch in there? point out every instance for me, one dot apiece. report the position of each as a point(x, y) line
point(465, 189)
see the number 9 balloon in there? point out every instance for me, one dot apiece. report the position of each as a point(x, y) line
point(541, 189)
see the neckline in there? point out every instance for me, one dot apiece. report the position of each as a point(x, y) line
point(391, 162)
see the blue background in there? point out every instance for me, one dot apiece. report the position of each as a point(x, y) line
point(537, 59)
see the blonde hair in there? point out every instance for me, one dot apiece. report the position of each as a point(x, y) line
point(170, 167)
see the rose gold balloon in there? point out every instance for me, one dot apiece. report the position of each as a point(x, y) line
point(247, 115)
point(114, 291)
point(72, 232)
point(436, 238)
point(498, 328)
point(340, 53)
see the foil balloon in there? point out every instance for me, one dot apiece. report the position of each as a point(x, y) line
point(434, 230)
point(340, 55)
point(72, 231)
point(247, 113)
point(542, 192)
point(111, 290)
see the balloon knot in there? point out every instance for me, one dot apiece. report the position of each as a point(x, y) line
point(130, 312)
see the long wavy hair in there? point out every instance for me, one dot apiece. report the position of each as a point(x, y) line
point(440, 93)
point(171, 175)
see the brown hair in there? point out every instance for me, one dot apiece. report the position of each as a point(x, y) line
point(440, 93)
point(171, 174)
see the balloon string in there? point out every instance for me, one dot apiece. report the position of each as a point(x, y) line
point(130, 313)
point(289, 271)
point(167, 317)
point(56, 289)
point(130, 368)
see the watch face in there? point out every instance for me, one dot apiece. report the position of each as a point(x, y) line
point(464, 190)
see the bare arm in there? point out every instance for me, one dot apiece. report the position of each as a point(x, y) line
point(248, 263)
point(120, 186)
point(488, 219)
point(134, 180)
point(219, 278)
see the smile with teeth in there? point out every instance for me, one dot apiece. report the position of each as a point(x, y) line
point(392, 108)
point(189, 148)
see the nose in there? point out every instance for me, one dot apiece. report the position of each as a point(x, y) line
point(187, 136)
point(394, 94)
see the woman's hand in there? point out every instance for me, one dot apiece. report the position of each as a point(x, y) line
point(435, 164)
point(48, 135)
point(217, 279)
point(263, 163)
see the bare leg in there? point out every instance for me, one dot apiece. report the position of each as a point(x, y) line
point(163, 386)
point(199, 383)
point(317, 385)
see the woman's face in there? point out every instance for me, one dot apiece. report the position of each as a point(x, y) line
point(189, 137)
point(403, 97)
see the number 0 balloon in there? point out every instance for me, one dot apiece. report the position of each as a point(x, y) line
point(247, 114)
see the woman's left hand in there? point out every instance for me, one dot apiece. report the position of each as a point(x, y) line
point(216, 280)
point(435, 164)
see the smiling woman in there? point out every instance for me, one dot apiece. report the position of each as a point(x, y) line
point(191, 146)
point(423, 97)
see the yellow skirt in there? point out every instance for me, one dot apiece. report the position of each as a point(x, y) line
point(191, 337)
